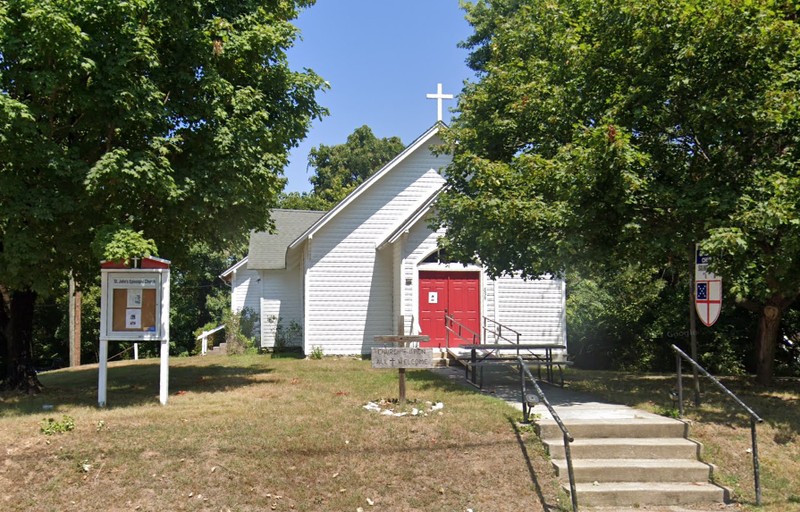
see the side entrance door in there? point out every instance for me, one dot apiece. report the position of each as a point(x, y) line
point(456, 292)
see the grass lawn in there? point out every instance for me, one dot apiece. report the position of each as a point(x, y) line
point(722, 428)
point(260, 433)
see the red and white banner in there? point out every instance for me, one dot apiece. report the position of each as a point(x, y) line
point(707, 291)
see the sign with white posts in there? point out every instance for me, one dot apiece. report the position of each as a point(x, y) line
point(134, 306)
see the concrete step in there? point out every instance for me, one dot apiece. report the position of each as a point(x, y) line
point(625, 448)
point(217, 350)
point(440, 362)
point(635, 470)
point(626, 494)
point(645, 426)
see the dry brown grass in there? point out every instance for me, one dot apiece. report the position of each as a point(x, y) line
point(257, 433)
point(723, 430)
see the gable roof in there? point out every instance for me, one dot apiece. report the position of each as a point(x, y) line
point(368, 183)
point(268, 250)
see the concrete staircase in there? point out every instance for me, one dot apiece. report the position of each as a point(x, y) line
point(623, 457)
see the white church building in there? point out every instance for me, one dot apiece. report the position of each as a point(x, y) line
point(349, 274)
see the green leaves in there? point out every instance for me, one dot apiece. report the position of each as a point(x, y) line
point(172, 120)
point(341, 168)
point(118, 243)
point(603, 134)
point(634, 129)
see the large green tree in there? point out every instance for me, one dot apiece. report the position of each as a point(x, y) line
point(146, 120)
point(340, 168)
point(601, 134)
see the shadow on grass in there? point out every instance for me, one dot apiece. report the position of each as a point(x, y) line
point(531, 471)
point(130, 384)
point(288, 353)
point(430, 380)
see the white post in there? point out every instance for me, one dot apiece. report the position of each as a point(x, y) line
point(135, 351)
point(164, 372)
point(205, 344)
point(102, 374)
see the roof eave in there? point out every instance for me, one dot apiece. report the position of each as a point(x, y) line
point(415, 217)
point(226, 276)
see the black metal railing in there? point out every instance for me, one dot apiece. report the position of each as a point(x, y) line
point(500, 332)
point(461, 331)
point(524, 372)
point(754, 418)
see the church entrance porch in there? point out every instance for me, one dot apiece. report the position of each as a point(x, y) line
point(458, 293)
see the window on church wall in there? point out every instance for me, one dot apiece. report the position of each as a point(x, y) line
point(441, 257)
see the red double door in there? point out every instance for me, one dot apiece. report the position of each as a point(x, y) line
point(456, 292)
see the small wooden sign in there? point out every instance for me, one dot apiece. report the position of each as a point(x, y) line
point(402, 357)
point(402, 339)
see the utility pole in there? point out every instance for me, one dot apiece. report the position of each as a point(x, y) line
point(693, 328)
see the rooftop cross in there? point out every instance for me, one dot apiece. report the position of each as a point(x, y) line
point(439, 97)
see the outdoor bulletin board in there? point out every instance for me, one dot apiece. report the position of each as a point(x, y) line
point(135, 305)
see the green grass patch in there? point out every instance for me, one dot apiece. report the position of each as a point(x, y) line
point(254, 432)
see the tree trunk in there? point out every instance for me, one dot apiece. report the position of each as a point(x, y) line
point(75, 303)
point(769, 327)
point(4, 312)
point(16, 322)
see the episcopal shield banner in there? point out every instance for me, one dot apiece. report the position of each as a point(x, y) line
point(707, 291)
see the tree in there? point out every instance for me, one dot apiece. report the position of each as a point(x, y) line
point(197, 294)
point(303, 201)
point(146, 120)
point(602, 134)
point(341, 168)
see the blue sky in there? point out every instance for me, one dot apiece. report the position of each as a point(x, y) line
point(381, 57)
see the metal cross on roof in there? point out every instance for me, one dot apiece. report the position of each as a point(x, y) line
point(439, 97)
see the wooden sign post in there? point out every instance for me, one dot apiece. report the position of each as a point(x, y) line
point(402, 357)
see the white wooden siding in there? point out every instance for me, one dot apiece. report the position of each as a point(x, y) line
point(280, 301)
point(535, 308)
point(350, 285)
point(397, 288)
point(418, 245)
point(246, 291)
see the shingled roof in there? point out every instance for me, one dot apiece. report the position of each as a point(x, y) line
point(268, 250)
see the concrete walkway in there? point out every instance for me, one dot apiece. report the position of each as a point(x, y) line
point(504, 383)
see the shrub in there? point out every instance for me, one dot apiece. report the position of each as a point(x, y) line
point(316, 352)
point(239, 328)
point(287, 337)
point(52, 426)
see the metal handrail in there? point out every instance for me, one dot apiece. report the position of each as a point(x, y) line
point(498, 334)
point(754, 418)
point(525, 371)
point(449, 321)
